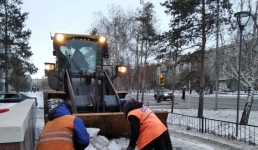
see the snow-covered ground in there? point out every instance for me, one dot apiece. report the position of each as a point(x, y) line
point(181, 137)
point(223, 114)
point(195, 94)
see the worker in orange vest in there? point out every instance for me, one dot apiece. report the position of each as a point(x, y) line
point(63, 131)
point(146, 128)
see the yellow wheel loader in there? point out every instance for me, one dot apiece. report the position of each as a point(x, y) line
point(80, 78)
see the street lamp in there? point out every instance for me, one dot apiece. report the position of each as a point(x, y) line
point(189, 96)
point(241, 24)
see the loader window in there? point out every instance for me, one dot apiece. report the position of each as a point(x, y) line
point(80, 54)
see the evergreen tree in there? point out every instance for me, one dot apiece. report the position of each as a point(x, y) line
point(17, 79)
point(193, 22)
point(15, 38)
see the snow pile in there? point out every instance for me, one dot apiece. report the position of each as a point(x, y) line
point(99, 142)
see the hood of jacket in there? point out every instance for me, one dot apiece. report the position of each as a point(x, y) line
point(62, 109)
point(131, 104)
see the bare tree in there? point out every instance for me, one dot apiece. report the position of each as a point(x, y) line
point(115, 26)
point(249, 57)
point(146, 36)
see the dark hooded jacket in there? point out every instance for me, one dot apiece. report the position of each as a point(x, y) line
point(126, 107)
point(80, 134)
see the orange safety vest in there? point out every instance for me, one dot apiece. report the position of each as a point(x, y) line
point(57, 134)
point(150, 126)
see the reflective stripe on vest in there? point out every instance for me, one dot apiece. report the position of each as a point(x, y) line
point(56, 139)
point(144, 108)
point(57, 135)
point(57, 132)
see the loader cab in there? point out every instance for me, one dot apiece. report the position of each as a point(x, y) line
point(78, 56)
point(79, 53)
point(79, 73)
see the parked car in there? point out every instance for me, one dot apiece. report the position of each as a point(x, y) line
point(15, 98)
point(164, 94)
point(227, 90)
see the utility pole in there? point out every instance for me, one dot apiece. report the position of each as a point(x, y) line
point(216, 61)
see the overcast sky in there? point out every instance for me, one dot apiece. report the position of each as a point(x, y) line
point(69, 16)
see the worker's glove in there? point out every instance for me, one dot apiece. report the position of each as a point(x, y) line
point(129, 148)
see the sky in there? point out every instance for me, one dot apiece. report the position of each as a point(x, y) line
point(180, 136)
point(50, 16)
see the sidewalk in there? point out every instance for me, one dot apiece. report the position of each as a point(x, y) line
point(183, 139)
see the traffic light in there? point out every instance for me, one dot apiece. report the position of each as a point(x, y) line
point(161, 79)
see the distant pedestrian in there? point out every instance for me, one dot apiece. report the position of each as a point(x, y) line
point(183, 94)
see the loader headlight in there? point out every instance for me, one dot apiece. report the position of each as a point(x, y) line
point(49, 66)
point(102, 39)
point(59, 37)
point(121, 69)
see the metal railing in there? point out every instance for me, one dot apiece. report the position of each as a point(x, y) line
point(225, 129)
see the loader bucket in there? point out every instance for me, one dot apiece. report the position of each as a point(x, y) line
point(113, 125)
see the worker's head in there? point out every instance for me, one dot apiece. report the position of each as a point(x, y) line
point(125, 105)
point(61, 109)
point(68, 106)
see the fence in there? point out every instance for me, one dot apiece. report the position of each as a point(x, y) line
point(225, 129)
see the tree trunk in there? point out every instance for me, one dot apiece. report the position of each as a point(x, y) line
point(174, 77)
point(117, 58)
point(247, 109)
point(138, 84)
point(6, 50)
point(143, 83)
point(138, 67)
point(140, 71)
point(201, 94)
point(17, 86)
point(144, 73)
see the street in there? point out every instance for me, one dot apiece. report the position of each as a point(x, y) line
point(224, 102)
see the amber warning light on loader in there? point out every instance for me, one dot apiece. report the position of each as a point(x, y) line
point(49, 67)
point(102, 39)
point(121, 69)
point(59, 37)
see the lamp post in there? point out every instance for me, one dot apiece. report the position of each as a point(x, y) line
point(189, 96)
point(241, 25)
